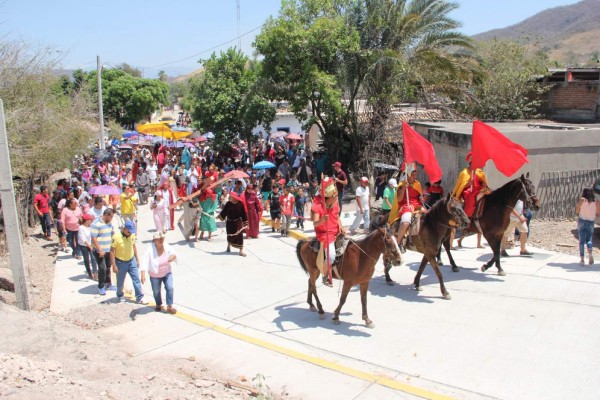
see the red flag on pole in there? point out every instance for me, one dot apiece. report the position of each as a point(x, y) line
point(489, 144)
point(418, 149)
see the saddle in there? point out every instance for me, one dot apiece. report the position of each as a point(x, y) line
point(341, 242)
point(480, 202)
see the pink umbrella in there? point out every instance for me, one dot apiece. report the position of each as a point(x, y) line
point(293, 136)
point(104, 190)
point(200, 139)
point(236, 174)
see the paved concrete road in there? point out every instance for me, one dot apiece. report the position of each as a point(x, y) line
point(533, 334)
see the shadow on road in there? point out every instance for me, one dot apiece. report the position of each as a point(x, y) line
point(303, 318)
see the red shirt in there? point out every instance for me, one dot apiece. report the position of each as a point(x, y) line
point(287, 204)
point(414, 201)
point(42, 202)
point(327, 231)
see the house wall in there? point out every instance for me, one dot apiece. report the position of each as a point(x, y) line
point(576, 100)
point(282, 120)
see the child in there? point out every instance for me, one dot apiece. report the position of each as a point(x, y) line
point(84, 241)
point(287, 209)
point(274, 207)
point(300, 202)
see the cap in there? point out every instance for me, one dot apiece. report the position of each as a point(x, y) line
point(130, 226)
point(393, 183)
point(87, 217)
point(469, 157)
point(364, 179)
point(158, 193)
point(158, 235)
point(282, 182)
point(125, 184)
point(337, 164)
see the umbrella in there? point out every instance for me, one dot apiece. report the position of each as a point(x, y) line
point(128, 134)
point(263, 165)
point(180, 133)
point(236, 174)
point(174, 143)
point(279, 134)
point(104, 190)
point(156, 129)
point(200, 139)
point(209, 135)
point(293, 136)
point(125, 147)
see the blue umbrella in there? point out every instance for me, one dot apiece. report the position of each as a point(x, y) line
point(263, 165)
point(209, 135)
point(128, 134)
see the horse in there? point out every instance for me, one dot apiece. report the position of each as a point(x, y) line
point(496, 215)
point(435, 228)
point(356, 267)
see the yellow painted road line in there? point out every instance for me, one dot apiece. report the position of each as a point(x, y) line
point(293, 233)
point(380, 380)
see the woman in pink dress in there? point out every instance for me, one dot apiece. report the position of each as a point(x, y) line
point(159, 211)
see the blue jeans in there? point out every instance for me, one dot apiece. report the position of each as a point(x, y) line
point(46, 224)
point(586, 231)
point(123, 268)
point(87, 254)
point(72, 241)
point(364, 216)
point(167, 280)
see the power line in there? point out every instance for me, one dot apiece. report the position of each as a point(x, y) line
point(206, 51)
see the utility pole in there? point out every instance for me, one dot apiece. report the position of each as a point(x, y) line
point(100, 109)
point(239, 28)
point(12, 228)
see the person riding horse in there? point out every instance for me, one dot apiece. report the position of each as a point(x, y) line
point(408, 200)
point(325, 217)
point(471, 186)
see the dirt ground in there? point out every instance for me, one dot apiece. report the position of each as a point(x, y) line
point(47, 356)
point(44, 355)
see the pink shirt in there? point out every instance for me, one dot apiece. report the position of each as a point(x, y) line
point(164, 266)
point(70, 218)
point(587, 211)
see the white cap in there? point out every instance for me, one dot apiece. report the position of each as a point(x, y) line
point(364, 179)
point(392, 182)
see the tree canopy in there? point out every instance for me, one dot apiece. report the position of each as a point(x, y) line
point(227, 98)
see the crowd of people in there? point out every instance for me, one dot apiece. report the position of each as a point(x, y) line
point(209, 185)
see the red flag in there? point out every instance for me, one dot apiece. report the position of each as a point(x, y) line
point(418, 149)
point(489, 144)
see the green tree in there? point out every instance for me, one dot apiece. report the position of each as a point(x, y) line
point(127, 99)
point(228, 99)
point(162, 76)
point(128, 69)
point(507, 87)
point(341, 61)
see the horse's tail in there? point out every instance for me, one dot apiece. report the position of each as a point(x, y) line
point(300, 260)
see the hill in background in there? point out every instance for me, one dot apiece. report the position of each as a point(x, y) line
point(569, 34)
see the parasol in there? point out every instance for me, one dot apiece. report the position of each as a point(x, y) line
point(263, 165)
point(104, 190)
point(236, 174)
point(293, 136)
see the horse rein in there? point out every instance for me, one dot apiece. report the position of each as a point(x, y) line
point(384, 243)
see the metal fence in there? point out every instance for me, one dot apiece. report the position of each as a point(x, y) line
point(559, 192)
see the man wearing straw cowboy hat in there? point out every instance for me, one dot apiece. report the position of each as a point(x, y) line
point(326, 221)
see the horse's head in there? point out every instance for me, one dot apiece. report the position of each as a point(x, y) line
point(528, 195)
point(457, 214)
point(392, 251)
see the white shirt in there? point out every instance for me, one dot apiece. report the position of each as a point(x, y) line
point(97, 213)
point(518, 210)
point(152, 171)
point(364, 194)
point(84, 235)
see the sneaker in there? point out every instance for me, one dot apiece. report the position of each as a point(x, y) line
point(102, 291)
point(142, 301)
point(112, 288)
point(591, 259)
point(122, 299)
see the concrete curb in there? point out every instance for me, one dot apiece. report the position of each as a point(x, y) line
point(293, 233)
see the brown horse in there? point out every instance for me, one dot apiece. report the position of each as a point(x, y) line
point(496, 214)
point(356, 267)
point(435, 228)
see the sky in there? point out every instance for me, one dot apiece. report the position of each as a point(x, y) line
point(172, 36)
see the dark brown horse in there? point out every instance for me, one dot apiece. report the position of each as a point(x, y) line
point(496, 214)
point(435, 228)
point(355, 268)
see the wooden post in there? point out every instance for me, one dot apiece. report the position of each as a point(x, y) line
point(12, 227)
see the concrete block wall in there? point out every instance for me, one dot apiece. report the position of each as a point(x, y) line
point(577, 100)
